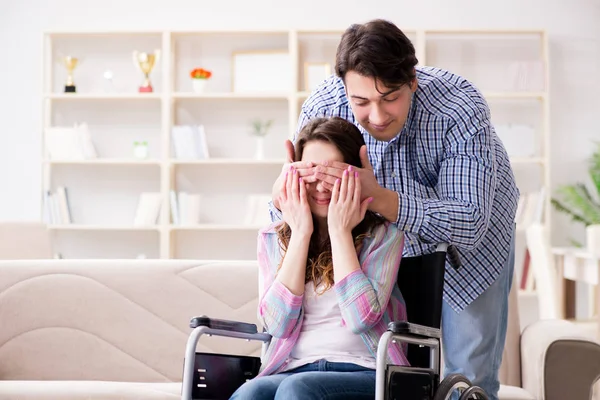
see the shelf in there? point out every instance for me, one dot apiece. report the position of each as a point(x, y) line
point(245, 31)
point(510, 32)
point(527, 160)
point(215, 227)
point(515, 95)
point(79, 33)
point(104, 192)
point(229, 161)
point(103, 96)
point(487, 95)
point(234, 96)
point(104, 161)
point(124, 228)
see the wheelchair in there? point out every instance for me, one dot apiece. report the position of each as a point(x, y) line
point(208, 376)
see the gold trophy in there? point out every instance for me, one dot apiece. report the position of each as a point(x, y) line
point(70, 63)
point(145, 62)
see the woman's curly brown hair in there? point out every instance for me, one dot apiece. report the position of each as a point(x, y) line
point(348, 139)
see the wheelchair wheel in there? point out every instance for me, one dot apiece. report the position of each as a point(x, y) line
point(474, 393)
point(451, 383)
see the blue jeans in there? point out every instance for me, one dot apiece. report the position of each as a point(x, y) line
point(319, 380)
point(473, 340)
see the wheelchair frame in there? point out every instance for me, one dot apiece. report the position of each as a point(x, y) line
point(405, 332)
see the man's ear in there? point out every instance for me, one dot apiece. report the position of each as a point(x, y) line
point(414, 84)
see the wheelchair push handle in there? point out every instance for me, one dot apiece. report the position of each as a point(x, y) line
point(452, 253)
point(454, 257)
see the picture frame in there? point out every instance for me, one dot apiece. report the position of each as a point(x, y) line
point(265, 71)
point(315, 74)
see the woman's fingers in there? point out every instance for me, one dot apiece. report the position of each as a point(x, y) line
point(290, 184)
point(335, 192)
point(284, 191)
point(351, 184)
point(295, 189)
point(344, 187)
point(357, 188)
point(302, 186)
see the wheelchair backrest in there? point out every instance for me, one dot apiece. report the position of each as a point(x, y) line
point(421, 281)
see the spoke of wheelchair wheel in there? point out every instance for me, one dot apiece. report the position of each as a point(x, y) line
point(457, 388)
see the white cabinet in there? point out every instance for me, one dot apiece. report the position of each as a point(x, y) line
point(214, 186)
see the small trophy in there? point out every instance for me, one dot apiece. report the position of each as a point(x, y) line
point(70, 63)
point(145, 62)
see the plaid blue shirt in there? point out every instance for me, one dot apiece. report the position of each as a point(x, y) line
point(451, 172)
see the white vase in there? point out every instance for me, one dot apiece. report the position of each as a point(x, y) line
point(199, 85)
point(140, 150)
point(260, 148)
point(593, 239)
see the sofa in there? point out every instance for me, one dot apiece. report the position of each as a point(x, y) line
point(117, 329)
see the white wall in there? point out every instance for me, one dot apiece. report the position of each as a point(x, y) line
point(573, 29)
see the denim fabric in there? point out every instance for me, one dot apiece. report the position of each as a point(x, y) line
point(319, 380)
point(473, 340)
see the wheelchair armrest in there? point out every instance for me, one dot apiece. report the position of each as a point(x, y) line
point(419, 331)
point(223, 325)
point(204, 325)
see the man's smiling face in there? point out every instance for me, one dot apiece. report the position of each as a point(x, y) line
point(382, 111)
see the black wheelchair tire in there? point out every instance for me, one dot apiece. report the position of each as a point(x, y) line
point(474, 393)
point(451, 383)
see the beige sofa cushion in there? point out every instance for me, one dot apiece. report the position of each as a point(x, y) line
point(76, 390)
point(122, 321)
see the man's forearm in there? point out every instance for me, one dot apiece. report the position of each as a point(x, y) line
point(385, 202)
point(435, 221)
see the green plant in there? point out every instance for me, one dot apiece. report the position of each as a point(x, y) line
point(577, 200)
point(261, 128)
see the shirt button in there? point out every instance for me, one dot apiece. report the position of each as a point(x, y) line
point(394, 174)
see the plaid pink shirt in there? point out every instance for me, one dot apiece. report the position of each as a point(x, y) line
point(369, 298)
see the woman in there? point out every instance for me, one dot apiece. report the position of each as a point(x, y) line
point(327, 285)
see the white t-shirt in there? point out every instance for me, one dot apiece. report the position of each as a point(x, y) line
point(322, 335)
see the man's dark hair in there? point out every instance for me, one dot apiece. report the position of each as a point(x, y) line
point(377, 49)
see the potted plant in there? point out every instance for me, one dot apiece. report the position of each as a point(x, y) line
point(260, 129)
point(582, 202)
point(140, 149)
point(199, 78)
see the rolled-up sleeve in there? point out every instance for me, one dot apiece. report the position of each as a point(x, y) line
point(279, 309)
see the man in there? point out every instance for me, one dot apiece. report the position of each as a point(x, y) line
point(436, 168)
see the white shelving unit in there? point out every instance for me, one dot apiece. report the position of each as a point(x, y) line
point(103, 192)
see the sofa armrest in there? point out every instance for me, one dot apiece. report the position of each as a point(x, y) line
point(559, 360)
